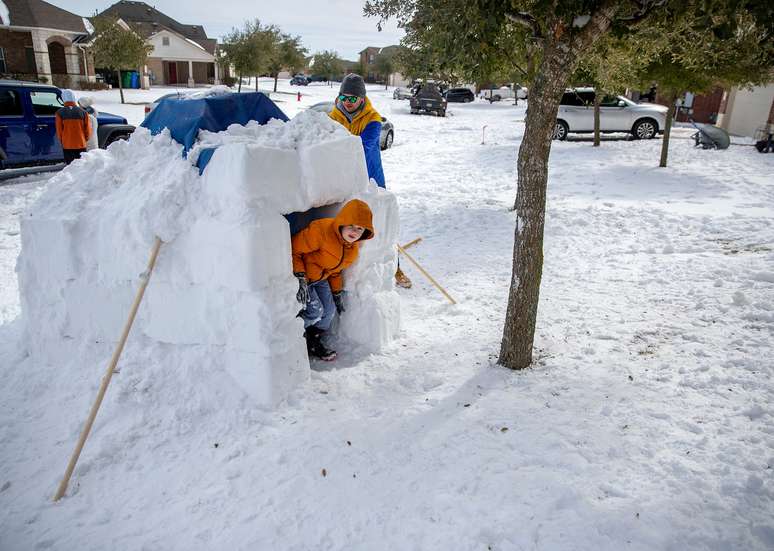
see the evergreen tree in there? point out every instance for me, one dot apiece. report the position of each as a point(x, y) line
point(328, 64)
point(287, 53)
point(479, 38)
point(249, 50)
point(117, 47)
point(384, 66)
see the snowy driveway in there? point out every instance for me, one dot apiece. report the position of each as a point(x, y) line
point(645, 424)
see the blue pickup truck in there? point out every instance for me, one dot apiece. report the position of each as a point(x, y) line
point(27, 127)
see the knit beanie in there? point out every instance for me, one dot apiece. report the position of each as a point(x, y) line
point(68, 96)
point(353, 85)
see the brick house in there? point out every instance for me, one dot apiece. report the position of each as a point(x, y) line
point(182, 54)
point(41, 42)
point(368, 62)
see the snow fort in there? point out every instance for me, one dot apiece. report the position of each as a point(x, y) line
point(222, 181)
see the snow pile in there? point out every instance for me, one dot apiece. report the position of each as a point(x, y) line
point(223, 292)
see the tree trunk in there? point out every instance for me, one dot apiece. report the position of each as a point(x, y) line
point(276, 77)
point(546, 92)
point(667, 129)
point(256, 83)
point(560, 57)
point(239, 88)
point(597, 101)
point(120, 85)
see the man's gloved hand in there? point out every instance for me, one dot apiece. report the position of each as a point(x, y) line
point(302, 296)
point(338, 301)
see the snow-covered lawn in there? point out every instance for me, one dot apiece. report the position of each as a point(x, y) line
point(647, 421)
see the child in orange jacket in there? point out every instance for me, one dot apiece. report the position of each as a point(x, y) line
point(321, 252)
point(73, 127)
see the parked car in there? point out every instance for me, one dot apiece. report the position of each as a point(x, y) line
point(497, 94)
point(299, 80)
point(616, 114)
point(402, 93)
point(388, 130)
point(428, 100)
point(28, 127)
point(317, 78)
point(459, 95)
point(504, 92)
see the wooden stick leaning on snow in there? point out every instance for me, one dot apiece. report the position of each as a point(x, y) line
point(144, 278)
point(424, 273)
point(412, 243)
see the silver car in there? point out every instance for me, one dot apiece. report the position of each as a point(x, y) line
point(401, 93)
point(388, 130)
point(616, 114)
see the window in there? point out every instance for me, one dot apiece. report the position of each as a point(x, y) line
point(165, 41)
point(45, 103)
point(587, 98)
point(371, 58)
point(32, 67)
point(609, 101)
point(10, 106)
point(3, 68)
point(571, 98)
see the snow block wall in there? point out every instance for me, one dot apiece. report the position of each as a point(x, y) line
point(223, 288)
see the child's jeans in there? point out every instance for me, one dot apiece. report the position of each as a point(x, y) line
point(320, 309)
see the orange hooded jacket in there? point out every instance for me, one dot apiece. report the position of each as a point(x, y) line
point(72, 126)
point(320, 251)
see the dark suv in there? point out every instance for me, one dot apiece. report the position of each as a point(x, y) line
point(28, 129)
point(459, 95)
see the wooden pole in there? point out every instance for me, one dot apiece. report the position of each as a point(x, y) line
point(412, 243)
point(424, 273)
point(144, 277)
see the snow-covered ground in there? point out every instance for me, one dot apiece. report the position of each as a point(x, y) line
point(646, 422)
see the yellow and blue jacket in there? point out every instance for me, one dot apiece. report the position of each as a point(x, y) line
point(366, 123)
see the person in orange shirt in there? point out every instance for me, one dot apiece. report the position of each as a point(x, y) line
point(72, 127)
point(321, 252)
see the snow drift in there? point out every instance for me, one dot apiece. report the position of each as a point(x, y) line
point(223, 292)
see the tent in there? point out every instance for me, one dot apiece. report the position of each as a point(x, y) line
point(185, 117)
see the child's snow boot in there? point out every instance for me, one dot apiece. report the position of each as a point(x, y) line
point(315, 347)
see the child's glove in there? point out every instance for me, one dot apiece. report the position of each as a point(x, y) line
point(302, 295)
point(338, 301)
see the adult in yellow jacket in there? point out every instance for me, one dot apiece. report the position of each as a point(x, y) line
point(353, 110)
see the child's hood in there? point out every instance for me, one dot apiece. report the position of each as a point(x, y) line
point(356, 213)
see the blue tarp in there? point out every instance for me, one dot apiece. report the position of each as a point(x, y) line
point(185, 117)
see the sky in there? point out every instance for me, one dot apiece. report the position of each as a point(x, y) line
point(322, 24)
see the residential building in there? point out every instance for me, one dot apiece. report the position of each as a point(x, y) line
point(41, 42)
point(702, 108)
point(368, 62)
point(745, 111)
point(182, 54)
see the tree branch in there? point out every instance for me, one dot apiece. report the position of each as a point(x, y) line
point(600, 21)
point(525, 19)
point(643, 10)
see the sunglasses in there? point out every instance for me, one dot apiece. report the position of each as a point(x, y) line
point(349, 99)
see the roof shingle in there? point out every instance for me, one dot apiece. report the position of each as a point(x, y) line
point(40, 14)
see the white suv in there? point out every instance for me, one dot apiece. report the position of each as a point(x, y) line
point(616, 114)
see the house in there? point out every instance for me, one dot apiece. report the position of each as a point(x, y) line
point(41, 42)
point(738, 110)
point(745, 111)
point(368, 62)
point(182, 54)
